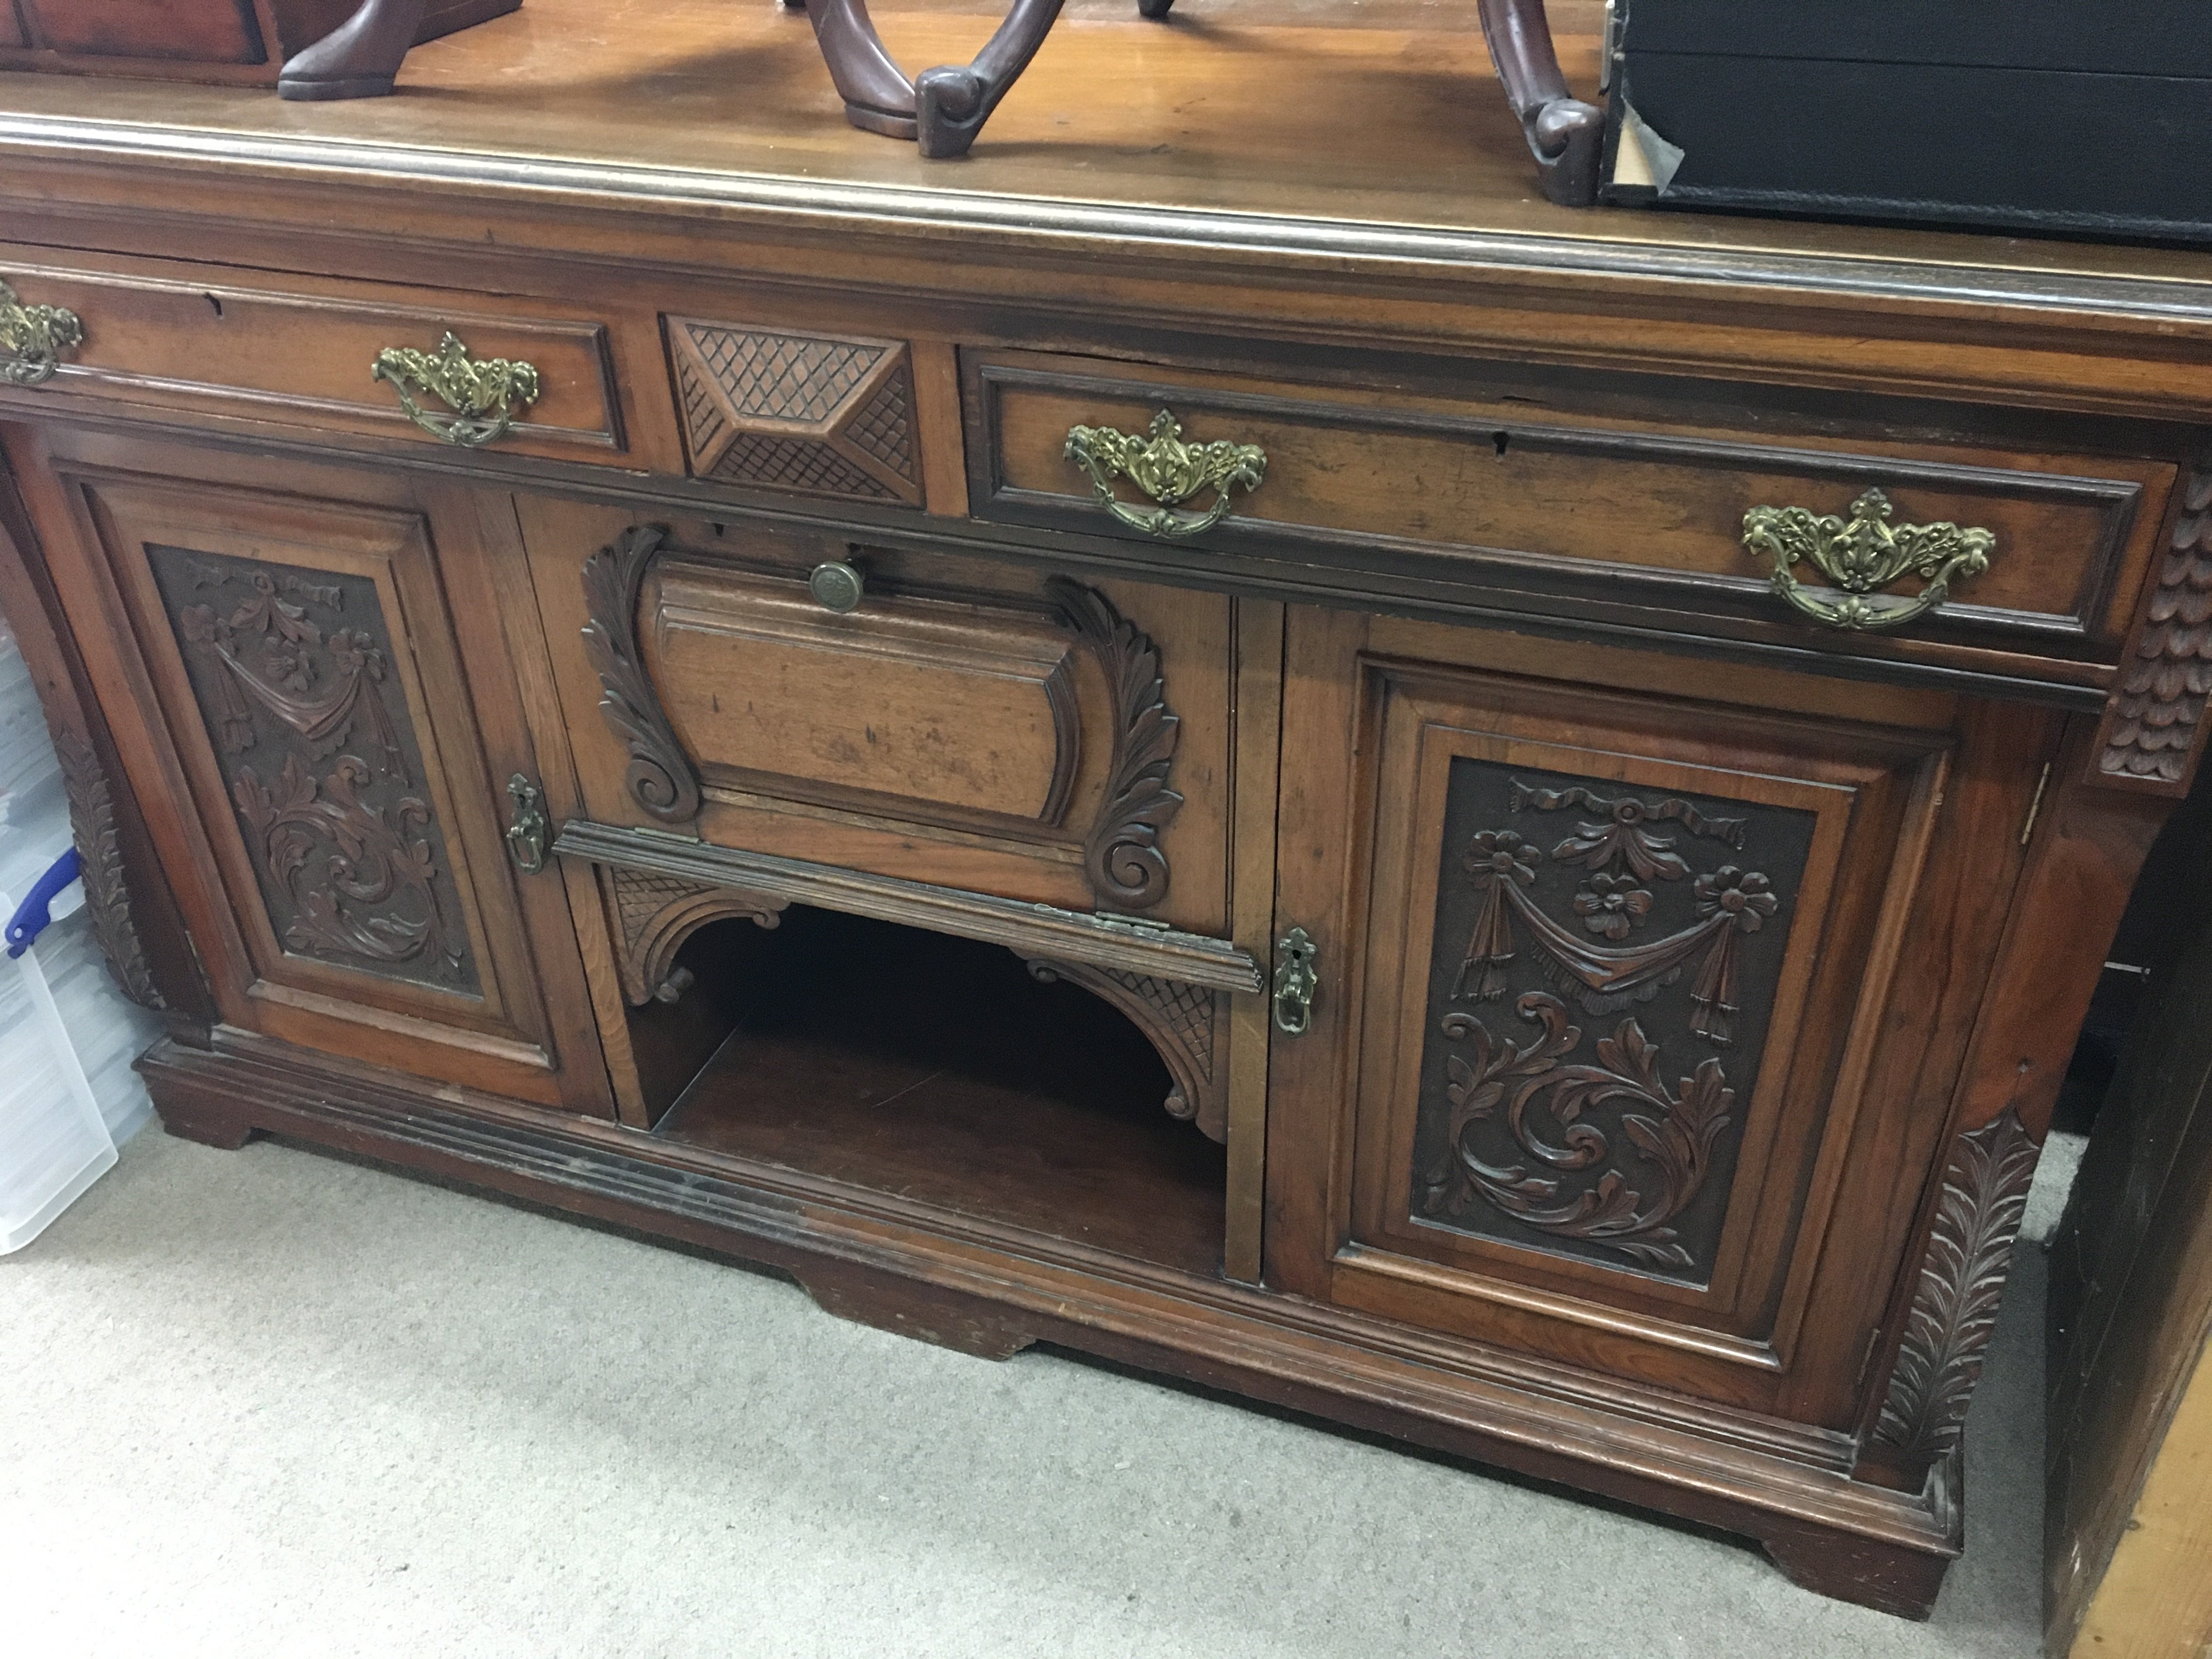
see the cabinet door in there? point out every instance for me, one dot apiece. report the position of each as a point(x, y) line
point(1645, 987)
point(325, 754)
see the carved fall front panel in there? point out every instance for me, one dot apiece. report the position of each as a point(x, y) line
point(291, 673)
point(1605, 964)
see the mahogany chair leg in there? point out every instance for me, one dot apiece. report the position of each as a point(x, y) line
point(360, 59)
point(1564, 133)
point(1154, 8)
point(878, 98)
point(951, 103)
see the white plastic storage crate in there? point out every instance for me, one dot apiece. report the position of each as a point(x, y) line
point(68, 1095)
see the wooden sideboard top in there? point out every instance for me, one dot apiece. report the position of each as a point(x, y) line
point(1245, 150)
point(1368, 116)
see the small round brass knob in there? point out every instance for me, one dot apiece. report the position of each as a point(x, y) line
point(836, 586)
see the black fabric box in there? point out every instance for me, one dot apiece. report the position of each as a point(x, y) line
point(2074, 116)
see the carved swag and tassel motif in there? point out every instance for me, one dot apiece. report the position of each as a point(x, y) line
point(1561, 901)
point(293, 674)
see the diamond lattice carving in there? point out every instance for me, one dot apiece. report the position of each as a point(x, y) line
point(797, 411)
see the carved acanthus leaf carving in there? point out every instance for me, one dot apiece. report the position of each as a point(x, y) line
point(1121, 854)
point(660, 778)
point(653, 915)
point(1962, 1279)
point(1673, 1131)
point(99, 866)
point(2151, 728)
point(363, 879)
point(1184, 1024)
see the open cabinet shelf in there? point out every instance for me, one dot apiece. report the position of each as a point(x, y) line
point(939, 1071)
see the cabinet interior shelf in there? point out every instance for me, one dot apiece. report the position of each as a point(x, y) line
point(938, 1071)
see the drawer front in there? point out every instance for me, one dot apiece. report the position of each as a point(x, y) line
point(967, 724)
point(304, 352)
point(1577, 514)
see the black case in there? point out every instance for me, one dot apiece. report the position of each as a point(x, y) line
point(2076, 116)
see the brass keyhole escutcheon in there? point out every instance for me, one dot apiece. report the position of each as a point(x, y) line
point(528, 833)
point(1296, 983)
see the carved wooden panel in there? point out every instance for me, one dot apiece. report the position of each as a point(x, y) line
point(807, 412)
point(1605, 964)
point(652, 915)
point(2153, 723)
point(1961, 1282)
point(290, 669)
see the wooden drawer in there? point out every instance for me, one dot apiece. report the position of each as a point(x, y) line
point(298, 351)
point(1639, 521)
point(970, 724)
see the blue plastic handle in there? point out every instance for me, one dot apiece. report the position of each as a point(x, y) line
point(32, 914)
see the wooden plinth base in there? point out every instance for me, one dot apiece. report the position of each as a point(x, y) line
point(993, 1289)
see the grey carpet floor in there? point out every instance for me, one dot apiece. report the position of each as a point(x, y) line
point(269, 1403)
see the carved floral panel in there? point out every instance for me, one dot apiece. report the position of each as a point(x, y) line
point(1604, 970)
point(293, 672)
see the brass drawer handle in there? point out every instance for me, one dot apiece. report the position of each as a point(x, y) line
point(485, 398)
point(1169, 470)
point(1861, 554)
point(32, 339)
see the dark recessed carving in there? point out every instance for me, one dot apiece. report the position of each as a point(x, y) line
point(1184, 1023)
point(1121, 854)
point(2151, 724)
point(318, 749)
point(654, 913)
point(797, 411)
point(1962, 1279)
point(1673, 1131)
point(1604, 1150)
point(660, 778)
point(100, 865)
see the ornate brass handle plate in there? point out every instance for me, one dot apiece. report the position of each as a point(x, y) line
point(1296, 983)
point(1168, 470)
point(32, 339)
point(482, 397)
point(529, 834)
point(1863, 555)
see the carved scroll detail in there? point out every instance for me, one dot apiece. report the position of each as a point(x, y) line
point(1673, 1131)
point(660, 778)
point(1962, 1279)
point(1121, 854)
point(100, 865)
point(653, 915)
point(1183, 1022)
point(2151, 724)
point(361, 878)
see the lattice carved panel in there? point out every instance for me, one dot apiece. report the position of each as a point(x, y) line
point(805, 412)
point(1605, 963)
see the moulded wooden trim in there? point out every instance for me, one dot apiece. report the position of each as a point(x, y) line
point(1031, 930)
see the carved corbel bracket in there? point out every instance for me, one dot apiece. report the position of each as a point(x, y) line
point(2153, 728)
point(660, 778)
point(100, 865)
point(1185, 1024)
point(1121, 856)
point(1955, 1300)
point(651, 916)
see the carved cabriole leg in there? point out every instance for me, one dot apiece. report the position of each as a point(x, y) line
point(360, 59)
point(1187, 1024)
point(1564, 134)
point(650, 917)
point(2088, 840)
point(878, 98)
point(944, 108)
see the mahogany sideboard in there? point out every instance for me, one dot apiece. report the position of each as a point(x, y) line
point(1267, 758)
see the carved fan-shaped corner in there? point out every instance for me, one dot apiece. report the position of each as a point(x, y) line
point(652, 915)
point(1185, 1025)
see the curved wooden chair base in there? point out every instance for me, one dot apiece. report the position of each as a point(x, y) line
point(1564, 135)
point(360, 59)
